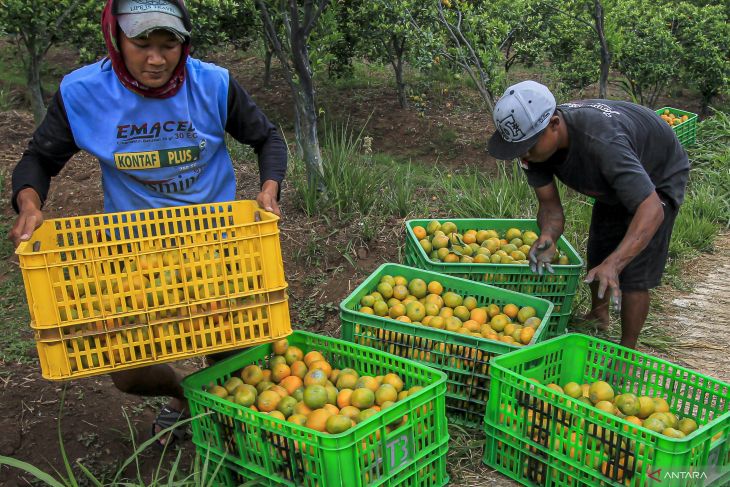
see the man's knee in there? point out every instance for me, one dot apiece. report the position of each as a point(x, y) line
point(127, 381)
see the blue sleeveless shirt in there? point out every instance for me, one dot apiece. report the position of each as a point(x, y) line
point(153, 152)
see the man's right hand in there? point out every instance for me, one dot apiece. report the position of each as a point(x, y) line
point(29, 218)
point(541, 255)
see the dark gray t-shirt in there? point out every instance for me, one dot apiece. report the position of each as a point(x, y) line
point(619, 153)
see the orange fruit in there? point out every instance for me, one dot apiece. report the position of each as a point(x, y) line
point(362, 398)
point(315, 396)
point(317, 420)
point(299, 369)
point(267, 401)
point(419, 232)
point(280, 372)
point(252, 374)
point(350, 411)
point(331, 408)
point(321, 365)
point(343, 398)
point(315, 377)
point(393, 380)
point(312, 356)
point(299, 419)
point(279, 390)
point(301, 408)
point(526, 334)
point(385, 393)
point(367, 382)
point(291, 383)
point(346, 381)
point(334, 375)
point(511, 310)
point(279, 347)
point(266, 375)
point(479, 315)
point(286, 406)
point(435, 287)
point(293, 354)
point(338, 424)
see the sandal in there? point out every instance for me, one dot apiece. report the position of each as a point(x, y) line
point(166, 418)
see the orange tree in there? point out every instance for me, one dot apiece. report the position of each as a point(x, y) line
point(37, 25)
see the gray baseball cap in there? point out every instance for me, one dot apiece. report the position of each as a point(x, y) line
point(520, 116)
point(137, 18)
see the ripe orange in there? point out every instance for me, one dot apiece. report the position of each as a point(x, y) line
point(267, 401)
point(362, 398)
point(385, 393)
point(511, 310)
point(299, 369)
point(435, 287)
point(419, 232)
point(291, 383)
point(279, 390)
point(331, 408)
point(317, 420)
point(315, 377)
point(479, 315)
point(346, 381)
point(343, 398)
point(279, 347)
point(293, 354)
point(338, 423)
point(393, 380)
point(280, 372)
point(367, 382)
point(350, 411)
point(302, 409)
point(299, 419)
point(321, 365)
point(312, 356)
point(252, 374)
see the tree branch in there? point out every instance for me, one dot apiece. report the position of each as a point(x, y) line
point(309, 25)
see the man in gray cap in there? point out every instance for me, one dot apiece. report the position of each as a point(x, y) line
point(619, 153)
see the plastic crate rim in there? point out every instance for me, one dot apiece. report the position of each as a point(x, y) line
point(422, 253)
point(22, 251)
point(543, 323)
point(431, 386)
point(494, 363)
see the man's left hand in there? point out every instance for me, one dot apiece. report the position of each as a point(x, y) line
point(267, 197)
point(607, 275)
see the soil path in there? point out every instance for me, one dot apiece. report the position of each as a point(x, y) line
point(701, 317)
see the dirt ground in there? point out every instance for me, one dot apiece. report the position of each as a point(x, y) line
point(94, 428)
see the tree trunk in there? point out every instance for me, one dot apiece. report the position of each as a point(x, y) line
point(306, 113)
point(400, 84)
point(307, 139)
point(605, 53)
point(267, 66)
point(34, 88)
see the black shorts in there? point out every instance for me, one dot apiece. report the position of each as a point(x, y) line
point(609, 224)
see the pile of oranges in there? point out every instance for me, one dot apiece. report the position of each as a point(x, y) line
point(442, 242)
point(431, 305)
point(672, 119)
point(306, 390)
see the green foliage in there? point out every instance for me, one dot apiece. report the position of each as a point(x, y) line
point(644, 49)
point(704, 34)
point(217, 23)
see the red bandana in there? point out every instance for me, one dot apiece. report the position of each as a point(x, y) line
point(110, 29)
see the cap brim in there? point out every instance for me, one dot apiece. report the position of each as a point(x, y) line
point(501, 149)
point(135, 25)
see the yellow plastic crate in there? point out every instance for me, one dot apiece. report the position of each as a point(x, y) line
point(114, 291)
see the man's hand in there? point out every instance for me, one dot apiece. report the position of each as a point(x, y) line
point(607, 274)
point(29, 218)
point(267, 197)
point(541, 255)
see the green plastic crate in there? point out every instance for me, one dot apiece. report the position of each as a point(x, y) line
point(530, 428)
point(423, 474)
point(464, 359)
point(558, 288)
point(277, 452)
point(687, 130)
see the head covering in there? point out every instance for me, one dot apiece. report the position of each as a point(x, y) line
point(137, 18)
point(520, 117)
point(110, 30)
